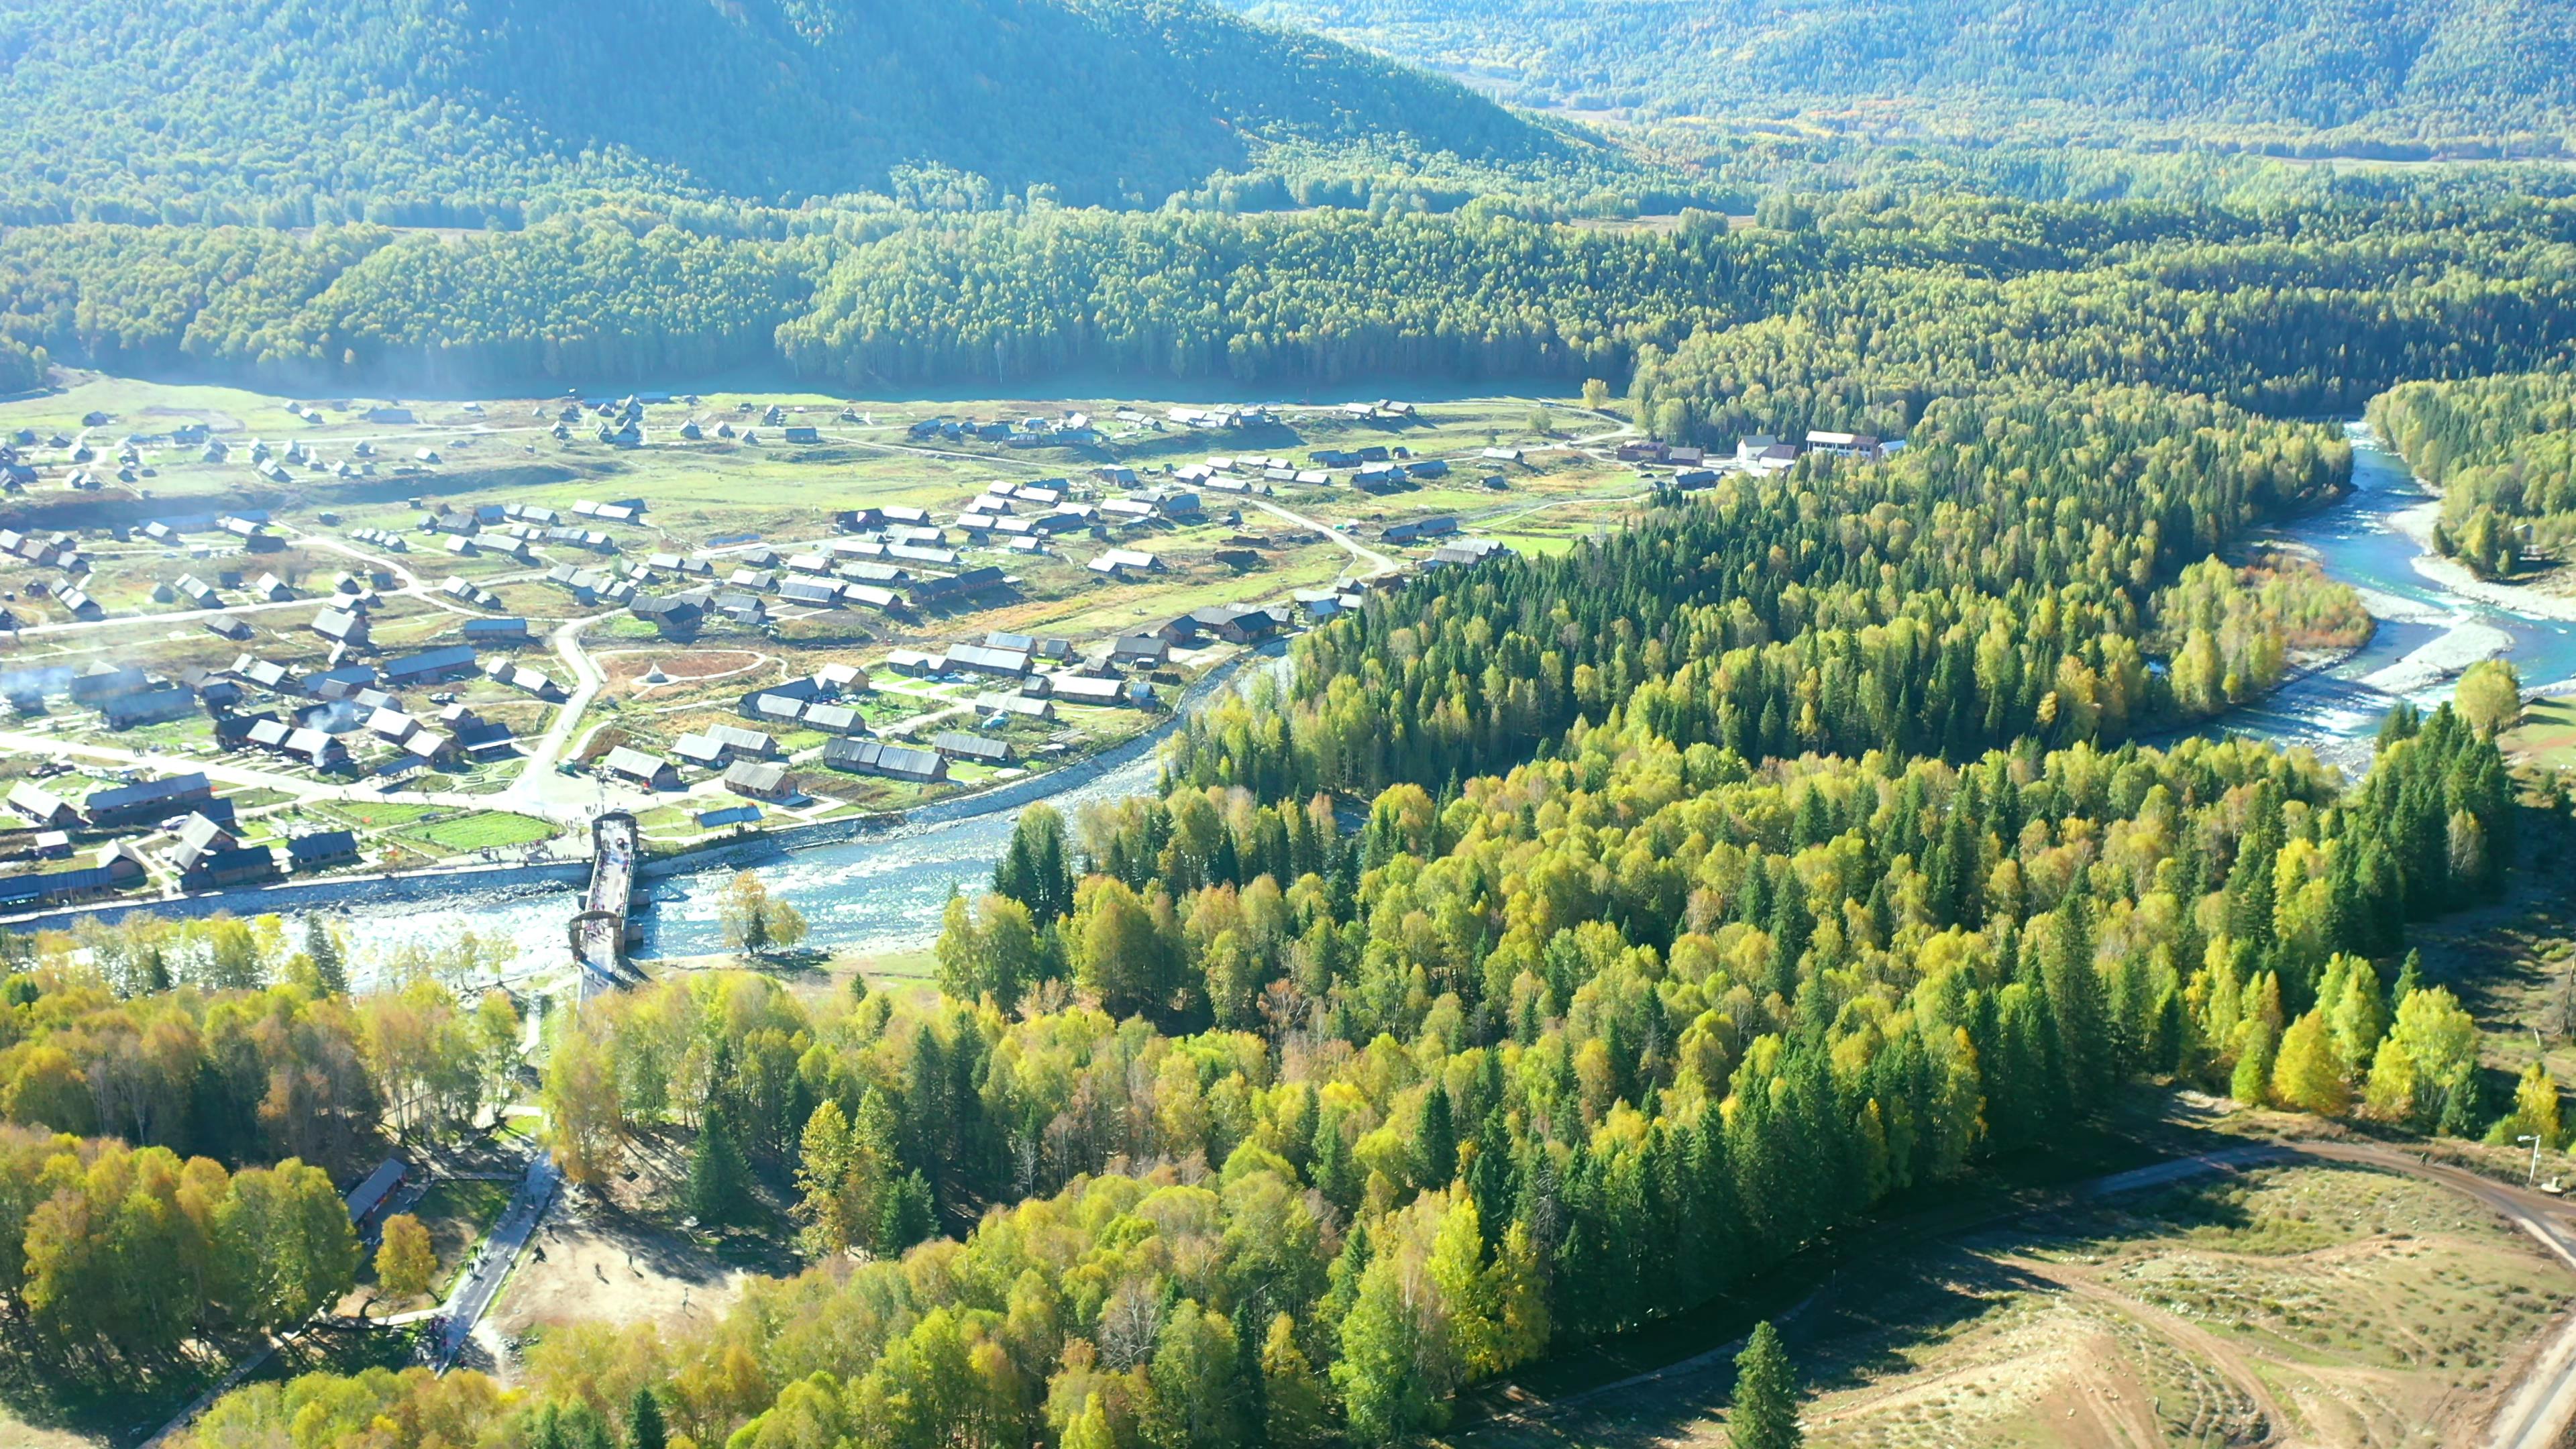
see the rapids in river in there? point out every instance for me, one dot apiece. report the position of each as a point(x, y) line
point(2336, 710)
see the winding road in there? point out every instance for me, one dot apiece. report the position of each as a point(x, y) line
point(1379, 565)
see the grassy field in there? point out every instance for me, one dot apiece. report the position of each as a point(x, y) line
point(488, 830)
point(2307, 1304)
point(2547, 735)
point(434, 831)
point(897, 966)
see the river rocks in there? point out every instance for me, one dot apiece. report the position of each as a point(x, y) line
point(2445, 658)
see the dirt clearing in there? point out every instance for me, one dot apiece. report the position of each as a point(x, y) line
point(616, 1261)
point(2325, 1306)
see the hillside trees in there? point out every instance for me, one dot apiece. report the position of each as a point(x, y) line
point(246, 1075)
point(1857, 322)
point(2503, 452)
point(1633, 993)
point(1992, 582)
point(126, 1257)
point(2290, 77)
point(406, 113)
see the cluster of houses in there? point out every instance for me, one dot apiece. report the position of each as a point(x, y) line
point(1756, 452)
point(894, 567)
point(245, 530)
point(750, 759)
point(1029, 676)
point(624, 510)
point(1441, 532)
point(277, 465)
point(1217, 419)
point(51, 551)
point(513, 529)
point(206, 850)
point(1065, 430)
point(311, 719)
point(1249, 475)
point(776, 415)
point(89, 466)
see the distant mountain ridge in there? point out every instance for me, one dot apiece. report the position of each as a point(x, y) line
point(2386, 67)
point(175, 108)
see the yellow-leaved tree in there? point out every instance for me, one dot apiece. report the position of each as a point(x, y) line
point(405, 1261)
point(2309, 1074)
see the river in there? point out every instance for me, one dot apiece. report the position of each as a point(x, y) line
point(878, 892)
point(2335, 711)
point(883, 891)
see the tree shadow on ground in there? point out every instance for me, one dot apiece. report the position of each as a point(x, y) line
point(1859, 1322)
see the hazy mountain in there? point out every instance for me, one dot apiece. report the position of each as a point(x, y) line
point(2386, 67)
point(112, 108)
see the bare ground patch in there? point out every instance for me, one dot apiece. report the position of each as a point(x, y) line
point(2309, 1305)
point(617, 1259)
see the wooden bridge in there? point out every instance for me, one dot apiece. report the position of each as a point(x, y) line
point(605, 928)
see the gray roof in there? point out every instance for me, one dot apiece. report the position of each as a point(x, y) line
point(367, 1196)
point(876, 757)
point(973, 747)
point(623, 761)
point(125, 797)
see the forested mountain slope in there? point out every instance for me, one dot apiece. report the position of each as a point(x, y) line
point(289, 111)
point(2388, 67)
point(1857, 318)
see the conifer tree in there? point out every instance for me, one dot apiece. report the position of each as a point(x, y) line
point(717, 1170)
point(1438, 1148)
point(324, 948)
point(1764, 1414)
point(645, 1428)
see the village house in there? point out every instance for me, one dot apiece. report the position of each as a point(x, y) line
point(650, 771)
point(118, 868)
point(976, 749)
point(1236, 624)
point(321, 849)
point(977, 659)
point(896, 762)
point(40, 807)
point(1140, 650)
point(1420, 530)
point(152, 704)
point(148, 800)
point(1859, 446)
point(429, 664)
point(1468, 551)
point(341, 626)
point(758, 781)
